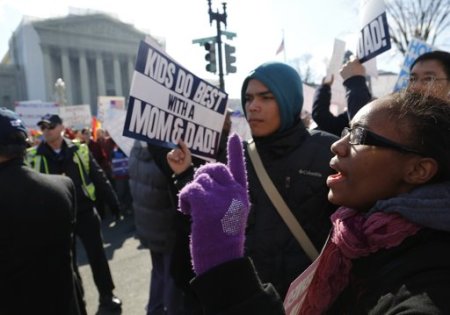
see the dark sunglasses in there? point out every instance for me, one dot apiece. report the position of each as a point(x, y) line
point(360, 135)
point(49, 127)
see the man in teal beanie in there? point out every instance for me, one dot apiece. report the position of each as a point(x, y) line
point(297, 162)
point(286, 86)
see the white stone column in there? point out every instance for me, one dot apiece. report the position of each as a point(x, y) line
point(67, 75)
point(84, 78)
point(117, 76)
point(131, 63)
point(100, 75)
point(48, 74)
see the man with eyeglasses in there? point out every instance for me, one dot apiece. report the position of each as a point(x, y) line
point(58, 155)
point(430, 74)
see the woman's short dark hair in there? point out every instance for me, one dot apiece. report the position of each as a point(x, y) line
point(427, 121)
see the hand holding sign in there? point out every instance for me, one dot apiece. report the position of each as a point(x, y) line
point(179, 159)
point(351, 69)
point(328, 80)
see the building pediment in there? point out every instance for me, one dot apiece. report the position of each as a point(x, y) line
point(95, 25)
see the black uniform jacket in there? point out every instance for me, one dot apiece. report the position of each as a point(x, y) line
point(63, 163)
point(37, 217)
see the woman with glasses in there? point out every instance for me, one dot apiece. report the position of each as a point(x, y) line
point(389, 248)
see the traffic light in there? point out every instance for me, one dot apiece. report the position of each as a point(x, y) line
point(230, 59)
point(211, 57)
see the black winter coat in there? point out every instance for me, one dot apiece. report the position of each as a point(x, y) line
point(297, 161)
point(154, 208)
point(357, 95)
point(37, 217)
point(412, 278)
point(322, 115)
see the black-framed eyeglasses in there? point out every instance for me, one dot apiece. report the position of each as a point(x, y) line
point(427, 80)
point(360, 135)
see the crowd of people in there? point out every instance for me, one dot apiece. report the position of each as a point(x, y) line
point(360, 204)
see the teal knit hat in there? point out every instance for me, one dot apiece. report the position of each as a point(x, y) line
point(285, 84)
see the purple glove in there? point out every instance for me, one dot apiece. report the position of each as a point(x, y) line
point(217, 200)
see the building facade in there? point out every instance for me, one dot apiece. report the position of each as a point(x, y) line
point(94, 54)
point(11, 86)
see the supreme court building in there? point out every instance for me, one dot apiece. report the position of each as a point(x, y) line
point(94, 54)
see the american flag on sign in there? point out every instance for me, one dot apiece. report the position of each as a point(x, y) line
point(117, 104)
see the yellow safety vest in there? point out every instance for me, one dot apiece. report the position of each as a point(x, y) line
point(80, 157)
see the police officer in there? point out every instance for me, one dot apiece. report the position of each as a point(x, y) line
point(58, 155)
point(37, 218)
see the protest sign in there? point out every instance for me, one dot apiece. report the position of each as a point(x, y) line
point(298, 289)
point(167, 103)
point(374, 37)
point(31, 112)
point(105, 103)
point(76, 116)
point(308, 97)
point(334, 66)
point(415, 49)
point(114, 122)
point(337, 58)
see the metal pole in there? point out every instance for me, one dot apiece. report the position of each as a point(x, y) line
point(219, 17)
point(219, 43)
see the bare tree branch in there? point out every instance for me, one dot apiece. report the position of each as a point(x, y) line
point(426, 20)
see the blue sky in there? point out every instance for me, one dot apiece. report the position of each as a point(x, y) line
point(310, 28)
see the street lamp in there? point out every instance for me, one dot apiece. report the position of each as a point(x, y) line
point(60, 88)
